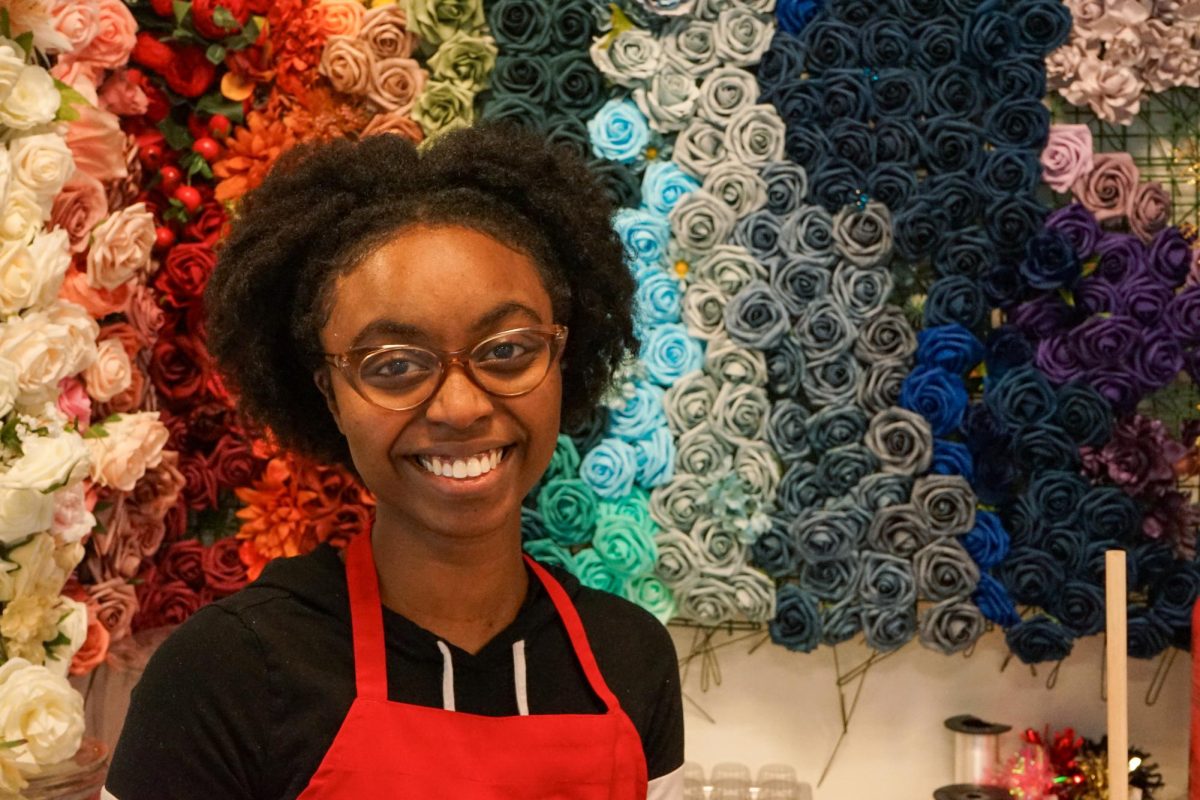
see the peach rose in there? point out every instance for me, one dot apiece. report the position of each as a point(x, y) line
point(347, 63)
point(79, 207)
point(121, 247)
point(1113, 92)
point(115, 35)
point(134, 397)
point(144, 312)
point(394, 122)
point(133, 445)
point(122, 96)
point(109, 374)
point(340, 17)
point(395, 83)
point(82, 76)
point(116, 604)
point(1107, 190)
point(79, 337)
point(98, 144)
point(77, 22)
point(1149, 210)
point(98, 302)
point(385, 30)
point(74, 403)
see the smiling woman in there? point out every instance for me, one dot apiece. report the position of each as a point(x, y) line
point(407, 313)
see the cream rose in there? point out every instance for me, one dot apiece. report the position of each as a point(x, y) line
point(121, 247)
point(43, 164)
point(42, 709)
point(395, 83)
point(18, 278)
point(134, 444)
point(347, 63)
point(9, 375)
point(30, 619)
point(51, 253)
point(33, 100)
point(12, 64)
point(385, 31)
point(38, 351)
point(111, 373)
point(47, 463)
point(24, 512)
point(72, 623)
point(80, 331)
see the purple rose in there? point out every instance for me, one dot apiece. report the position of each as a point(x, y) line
point(1182, 316)
point(1079, 226)
point(1056, 357)
point(1122, 256)
point(1104, 341)
point(1144, 299)
point(1044, 316)
point(1095, 295)
point(1158, 360)
point(1170, 257)
point(1116, 385)
point(1193, 365)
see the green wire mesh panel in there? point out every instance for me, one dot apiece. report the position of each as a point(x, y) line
point(1164, 141)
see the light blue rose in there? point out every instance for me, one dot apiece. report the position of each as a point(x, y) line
point(641, 415)
point(619, 131)
point(659, 299)
point(595, 574)
point(625, 546)
point(669, 353)
point(610, 468)
point(644, 234)
point(656, 458)
point(664, 184)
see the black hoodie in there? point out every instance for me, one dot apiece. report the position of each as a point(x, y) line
point(242, 701)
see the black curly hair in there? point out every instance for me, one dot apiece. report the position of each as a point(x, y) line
point(326, 206)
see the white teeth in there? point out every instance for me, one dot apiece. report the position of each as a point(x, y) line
point(472, 467)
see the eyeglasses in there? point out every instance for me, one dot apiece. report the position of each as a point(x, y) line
point(400, 377)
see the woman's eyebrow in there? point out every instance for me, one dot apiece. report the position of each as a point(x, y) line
point(402, 330)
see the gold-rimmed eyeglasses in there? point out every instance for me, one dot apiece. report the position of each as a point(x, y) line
point(400, 377)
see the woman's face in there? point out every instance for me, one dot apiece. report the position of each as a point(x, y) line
point(444, 288)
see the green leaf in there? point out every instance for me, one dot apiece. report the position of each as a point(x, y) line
point(111, 418)
point(9, 745)
point(217, 103)
point(58, 641)
point(176, 134)
point(69, 99)
point(223, 18)
point(216, 54)
point(181, 8)
point(5, 24)
point(25, 40)
point(9, 437)
point(95, 432)
point(247, 37)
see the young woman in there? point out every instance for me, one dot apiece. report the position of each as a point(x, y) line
point(425, 317)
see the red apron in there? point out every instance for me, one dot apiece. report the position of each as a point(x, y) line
point(396, 750)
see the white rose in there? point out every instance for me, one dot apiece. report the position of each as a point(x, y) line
point(37, 349)
point(73, 625)
point(24, 512)
point(81, 332)
point(33, 100)
point(18, 278)
point(8, 385)
point(42, 709)
point(11, 779)
point(12, 64)
point(21, 216)
point(30, 569)
point(48, 463)
point(72, 519)
point(43, 164)
point(51, 252)
point(629, 58)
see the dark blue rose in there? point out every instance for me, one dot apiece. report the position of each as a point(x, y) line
point(854, 12)
point(1080, 607)
point(840, 468)
point(1157, 360)
point(954, 93)
point(955, 194)
point(525, 75)
point(1144, 299)
point(622, 186)
point(1044, 317)
point(577, 86)
point(937, 395)
point(519, 27)
point(937, 44)
point(888, 628)
point(836, 426)
point(1012, 222)
point(1153, 559)
point(1170, 257)
point(831, 580)
point(1010, 170)
point(1095, 295)
point(1068, 544)
point(759, 233)
point(799, 281)
point(918, 230)
point(840, 623)
point(569, 131)
point(806, 144)
point(787, 432)
point(951, 347)
point(952, 458)
point(1057, 494)
point(898, 141)
point(917, 12)
point(994, 601)
point(966, 251)
point(832, 44)
point(853, 141)
point(798, 103)
point(989, 35)
point(532, 527)
point(1173, 595)
point(797, 622)
point(955, 299)
point(1079, 226)
point(1024, 523)
point(1002, 285)
point(1122, 256)
point(1006, 348)
point(836, 183)
point(1182, 316)
point(785, 368)
point(892, 184)
point(899, 530)
point(1107, 513)
point(822, 535)
point(1084, 415)
point(1148, 634)
point(985, 433)
point(794, 15)
point(1050, 261)
point(1044, 25)
point(988, 542)
point(959, 9)
point(774, 551)
point(885, 42)
point(1039, 639)
point(952, 144)
point(898, 93)
point(1044, 446)
point(782, 64)
point(798, 489)
point(1021, 396)
point(844, 94)
point(516, 109)
point(787, 185)
point(1018, 78)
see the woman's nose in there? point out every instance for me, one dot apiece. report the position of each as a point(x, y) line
point(459, 402)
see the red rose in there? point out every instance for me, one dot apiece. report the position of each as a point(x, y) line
point(151, 53)
point(204, 10)
point(178, 367)
point(185, 273)
point(165, 603)
point(164, 8)
point(234, 464)
point(182, 561)
point(208, 225)
point(206, 425)
point(176, 521)
point(223, 567)
point(200, 489)
point(190, 73)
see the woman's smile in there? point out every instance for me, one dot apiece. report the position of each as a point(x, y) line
point(460, 475)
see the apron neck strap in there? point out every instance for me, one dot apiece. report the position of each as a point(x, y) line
point(366, 620)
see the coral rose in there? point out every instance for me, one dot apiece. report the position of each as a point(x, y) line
point(134, 444)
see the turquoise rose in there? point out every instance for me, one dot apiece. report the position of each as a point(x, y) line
point(653, 595)
point(610, 468)
point(669, 353)
point(635, 505)
point(656, 458)
point(565, 461)
point(624, 545)
point(595, 574)
point(531, 525)
point(659, 299)
point(619, 131)
point(664, 184)
point(641, 414)
point(551, 553)
point(568, 507)
point(644, 234)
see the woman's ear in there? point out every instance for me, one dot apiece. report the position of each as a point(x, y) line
point(322, 379)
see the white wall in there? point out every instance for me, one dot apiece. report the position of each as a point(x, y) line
point(774, 706)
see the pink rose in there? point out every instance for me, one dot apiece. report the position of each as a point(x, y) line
point(121, 248)
point(347, 63)
point(78, 208)
point(159, 489)
point(1149, 211)
point(78, 22)
point(122, 96)
point(385, 31)
point(82, 76)
point(109, 374)
point(73, 520)
point(1067, 157)
point(115, 35)
point(1113, 92)
point(116, 604)
point(1107, 190)
point(74, 403)
point(98, 144)
point(395, 83)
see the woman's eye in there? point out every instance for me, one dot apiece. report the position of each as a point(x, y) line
point(505, 351)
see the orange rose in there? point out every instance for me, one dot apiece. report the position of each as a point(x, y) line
point(340, 17)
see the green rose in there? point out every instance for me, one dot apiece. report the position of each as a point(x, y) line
point(565, 461)
point(444, 106)
point(568, 507)
point(625, 546)
point(548, 551)
point(595, 574)
point(652, 595)
point(466, 58)
point(436, 21)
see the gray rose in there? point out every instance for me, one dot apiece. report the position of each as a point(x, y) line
point(738, 186)
point(841, 622)
point(947, 502)
point(755, 135)
point(731, 363)
point(757, 466)
point(759, 233)
point(945, 570)
point(832, 580)
point(689, 45)
point(886, 581)
point(841, 468)
point(711, 9)
point(862, 292)
point(878, 491)
point(724, 93)
point(888, 628)
point(807, 232)
point(730, 267)
point(799, 281)
point(785, 367)
point(629, 58)
point(753, 594)
point(787, 186)
point(742, 36)
point(680, 503)
point(708, 601)
point(740, 412)
point(668, 101)
point(887, 335)
point(836, 426)
point(899, 530)
point(704, 310)
point(756, 317)
point(864, 236)
point(787, 430)
point(823, 535)
point(722, 549)
point(951, 626)
point(688, 402)
point(700, 221)
point(679, 559)
point(702, 452)
point(831, 381)
point(902, 440)
point(879, 385)
point(670, 8)
point(825, 331)
point(798, 489)
point(700, 148)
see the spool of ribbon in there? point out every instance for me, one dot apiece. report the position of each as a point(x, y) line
point(976, 748)
point(970, 791)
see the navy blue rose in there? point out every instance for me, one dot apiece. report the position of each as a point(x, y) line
point(885, 42)
point(1025, 526)
point(619, 182)
point(841, 622)
point(952, 458)
point(1068, 544)
point(840, 468)
point(1050, 261)
point(836, 426)
point(797, 490)
point(918, 230)
point(951, 347)
point(854, 12)
point(525, 75)
point(952, 144)
point(532, 527)
point(1044, 446)
point(785, 368)
point(798, 282)
point(887, 581)
point(987, 542)
point(984, 432)
point(954, 93)
point(831, 580)
point(1084, 415)
point(804, 144)
point(1044, 25)
point(836, 183)
point(853, 141)
point(822, 535)
point(1021, 396)
point(898, 93)
point(1057, 495)
point(1002, 285)
point(936, 394)
point(1153, 559)
point(956, 195)
point(1009, 170)
point(519, 26)
point(937, 44)
point(1017, 78)
point(759, 233)
point(1148, 634)
point(989, 35)
point(994, 601)
point(891, 184)
point(1107, 513)
point(1044, 317)
point(794, 15)
point(1080, 607)
point(1012, 222)
point(774, 551)
point(517, 109)
point(577, 86)
point(1006, 348)
point(787, 432)
point(832, 44)
point(955, 299)
point(569, 131)
point(782, 65)
point(917, 12)
point(888, 628)
point(844, 94)
point(1173, 595)
point(1039, 639)
point(897, 141)
point(966, 251)
point(1170, 257)
point(797, 622)
point(798, 104)
point(1079, 226)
